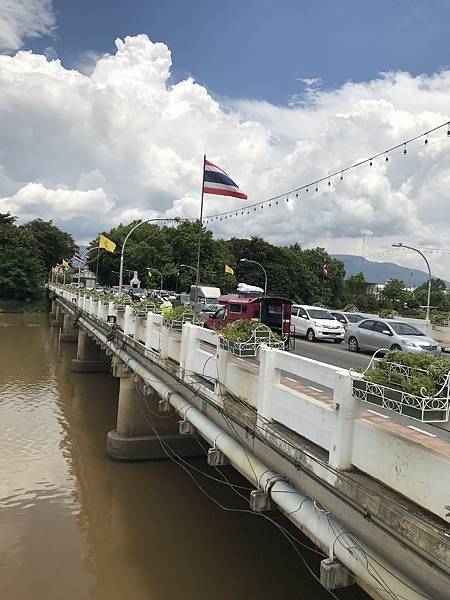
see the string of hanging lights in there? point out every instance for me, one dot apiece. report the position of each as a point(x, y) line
point(285, 198)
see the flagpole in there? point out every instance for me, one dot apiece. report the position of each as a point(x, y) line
point(197, 279)
point(96, 270)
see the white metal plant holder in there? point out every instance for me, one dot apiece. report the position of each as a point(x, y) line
point(421, 407)
point(261, 335)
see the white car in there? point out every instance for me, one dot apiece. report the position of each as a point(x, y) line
point(316, 323)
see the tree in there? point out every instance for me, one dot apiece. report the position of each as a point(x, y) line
point(394, 294)
point(438, 298)
point(21, 269)
point(52, 244)
point(291, 271)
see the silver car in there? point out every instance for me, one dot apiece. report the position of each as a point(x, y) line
point(374, 334)
point(346, 318)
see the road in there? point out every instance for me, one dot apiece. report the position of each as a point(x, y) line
point(331, 353)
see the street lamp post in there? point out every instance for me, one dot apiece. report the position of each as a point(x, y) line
point(247, 260)
point(401, 245)
point(122, 252)
point(190, 267)
point(160, 274)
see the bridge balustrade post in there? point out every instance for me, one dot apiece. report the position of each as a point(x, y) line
point(189, 345)
point(129, 326)
point(340, 455)
point(269, 376)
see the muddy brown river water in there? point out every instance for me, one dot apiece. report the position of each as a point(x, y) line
point(74, 525)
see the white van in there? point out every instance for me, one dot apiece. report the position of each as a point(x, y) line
point(316, 323)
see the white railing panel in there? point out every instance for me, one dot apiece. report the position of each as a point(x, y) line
point(309, 418)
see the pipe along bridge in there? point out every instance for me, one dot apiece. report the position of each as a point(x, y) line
point(367, 487)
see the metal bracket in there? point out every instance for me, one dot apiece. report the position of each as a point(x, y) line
point(216, 458)
point(185, 428)
point(260, 501)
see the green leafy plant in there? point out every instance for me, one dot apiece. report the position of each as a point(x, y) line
point(424, 376)
point(242, 330)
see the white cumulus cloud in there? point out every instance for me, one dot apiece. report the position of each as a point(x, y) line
point(22, 19)
point(120, 141)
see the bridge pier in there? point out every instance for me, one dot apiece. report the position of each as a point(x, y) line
point(68, 332)
point(90, 358)
point(58, 321)
point(143, 433)
point(52, 313)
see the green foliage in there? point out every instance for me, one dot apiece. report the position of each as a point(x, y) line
point(291, 271)
point(426, 373)
point(242, 330)
point(52, 244)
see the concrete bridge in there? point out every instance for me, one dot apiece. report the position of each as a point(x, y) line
point(368, 487)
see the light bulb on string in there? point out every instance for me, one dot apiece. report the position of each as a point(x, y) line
point(342, 175)
point(296, 195)
point(317, 187)
point(404, 149)
point(426, 140)
point(387, 157)
point(371, 163)
point(307, 189)
point(329, 182)
point(448, 130)
point(287, 199)
point(276, 202)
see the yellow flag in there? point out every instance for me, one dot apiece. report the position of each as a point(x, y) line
point(229, 270)
point(64, 263)
point(107, 244)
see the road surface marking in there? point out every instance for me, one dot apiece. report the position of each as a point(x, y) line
point(377, 413)
point(421, 431)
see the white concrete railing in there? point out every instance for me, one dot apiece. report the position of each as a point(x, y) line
point(282, 388)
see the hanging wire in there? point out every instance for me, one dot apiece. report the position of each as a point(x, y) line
point(341, 172)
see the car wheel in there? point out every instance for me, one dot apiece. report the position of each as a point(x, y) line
point(310, 335)
point(337, 341)
point(353, 345)
point(396, 347)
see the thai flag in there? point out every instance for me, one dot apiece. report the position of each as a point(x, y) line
point(216, 181)
point(78, 258)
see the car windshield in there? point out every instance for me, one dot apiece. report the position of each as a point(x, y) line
point(405, 329)
point(320, 314)
point(354, 318)
point(211, 300)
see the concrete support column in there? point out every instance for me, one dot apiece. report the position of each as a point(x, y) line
point(142, 432)
point(52, 313)
point(58, 317)
point(68, 332)
point(90, 357)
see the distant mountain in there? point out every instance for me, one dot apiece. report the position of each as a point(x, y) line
point(380, 272)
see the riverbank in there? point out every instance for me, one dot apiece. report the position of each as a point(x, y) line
point(39, 306)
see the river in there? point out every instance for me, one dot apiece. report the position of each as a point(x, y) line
point(76, 525)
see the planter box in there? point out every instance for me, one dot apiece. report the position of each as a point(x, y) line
point(238, 348)
point(415, 407)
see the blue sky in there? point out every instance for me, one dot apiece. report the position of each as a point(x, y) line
point(118, 129)
point(260, 49)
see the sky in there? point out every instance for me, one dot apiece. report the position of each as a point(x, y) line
point(106, 110)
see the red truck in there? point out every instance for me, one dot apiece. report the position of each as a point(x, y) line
point(273, 311)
